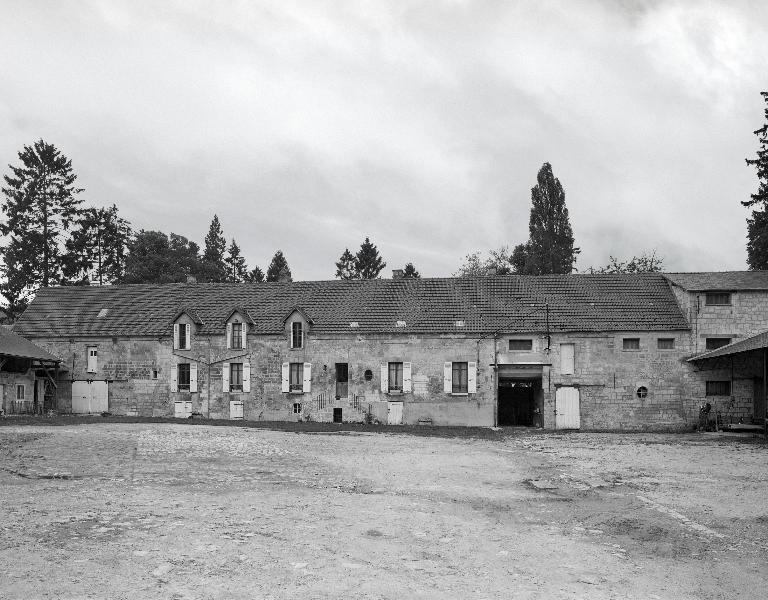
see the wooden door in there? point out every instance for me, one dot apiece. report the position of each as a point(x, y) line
point(395, 413)
point(568, 413)
point(236, 410)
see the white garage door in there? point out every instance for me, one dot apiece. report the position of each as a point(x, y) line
point(90, 397)
point(568, 414)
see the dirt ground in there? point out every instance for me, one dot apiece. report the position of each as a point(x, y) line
point(162, 510)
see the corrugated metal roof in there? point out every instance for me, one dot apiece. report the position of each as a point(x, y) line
point(755, 342)
point(514, 303)
point(720, 280)
point(12, 344)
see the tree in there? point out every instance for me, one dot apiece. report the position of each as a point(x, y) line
point(410, 272)
point(97, 248)
point(153, 257)
point(550, 246)
point(497, 263)
point(41, 202)
point(237, 270)
point(214, 268)
point(255, 275)
point(368, 262)
point(647, 262)
point(278, 269)
point(346, 266)
point(757, 224)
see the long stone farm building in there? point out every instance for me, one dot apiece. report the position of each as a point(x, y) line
point(558, 351)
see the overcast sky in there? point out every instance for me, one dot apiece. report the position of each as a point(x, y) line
point(309, 125)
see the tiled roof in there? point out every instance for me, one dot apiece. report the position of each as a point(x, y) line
point(722, 281)
point(755, 342)
point(12, 344)
point(512, 303)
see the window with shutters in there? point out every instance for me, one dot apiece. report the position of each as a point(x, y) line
point(460, 378)
point(296, 377)
point(235, 377)
point(297, 334)
point(666, 343)
point(237, 336)
point(718, 388)
point(520, 345)
point(395, 377)
point(630, 344)
point(567, 359)
point(718, 299)
point(183, 378)
point(21, 392)
point(181, 340)
point(93, 357)
point(718, 342)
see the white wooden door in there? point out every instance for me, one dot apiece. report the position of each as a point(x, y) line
point(235, 410)
point(568, 415)
point(395, 413)
point(89, 397)
point(182, 409)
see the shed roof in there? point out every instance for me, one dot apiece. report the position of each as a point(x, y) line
point(720, 280)
point(755, 342)
point(605, 302)
point(12, 344)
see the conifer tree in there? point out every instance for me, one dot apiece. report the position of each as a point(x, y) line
point(757, 224)
point(255, 275)
point(41, 203)
point(550, 246)
point(368, 262)
point(410, 272)
point(237, 270)
point(278, 269)
point(346, 266)
point(214, 268)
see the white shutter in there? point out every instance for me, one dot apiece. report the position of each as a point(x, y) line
point(229, 335)
point(385, 378)
point(472, 378)
point(188, 340)
point(286, 382)
point(245, 334)
point(447, 377)
point(174, 378)
point(406, 378)
point(567, 359)
point(193, 377)
point(225, 377)
point(175, 336)
point(247, 377)
point(307, 378)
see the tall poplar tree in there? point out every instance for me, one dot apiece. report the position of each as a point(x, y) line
point(41, 203)
point(757, 224)
point(550, 246)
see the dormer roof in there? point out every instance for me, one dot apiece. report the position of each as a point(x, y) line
point(190, 313)
point(242, 312)
point(302, 312)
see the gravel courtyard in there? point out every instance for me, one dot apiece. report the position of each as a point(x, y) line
point(148, 510)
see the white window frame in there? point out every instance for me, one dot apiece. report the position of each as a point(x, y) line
point(92, 366)
point(300, 326)
point(297, 408)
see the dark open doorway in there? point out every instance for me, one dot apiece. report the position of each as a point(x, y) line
point(517, 402)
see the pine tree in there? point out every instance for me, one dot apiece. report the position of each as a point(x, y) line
point(237, 270)
point(368, 262)
point(550, 246)
point(214, 268)
point(410, 272)
point(255, 275)
point(346, 267)
point(757, 225)
point(41, 203)
point(97, 247)
point(278, 269)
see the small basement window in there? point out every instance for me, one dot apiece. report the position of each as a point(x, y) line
point(666, 343)
point(715, 343)
point(521, 345)
point(718, 298)
point(297, 408)
point(631, 344)
point(718, 388)
point(20, 391)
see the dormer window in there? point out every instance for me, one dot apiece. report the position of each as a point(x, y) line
point(237, 336)
point(297, 334)
point(181, 336)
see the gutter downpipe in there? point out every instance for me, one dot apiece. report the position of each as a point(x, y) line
point(495, 382)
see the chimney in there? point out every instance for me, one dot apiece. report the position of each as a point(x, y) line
point(397, 273)
point(191, 279)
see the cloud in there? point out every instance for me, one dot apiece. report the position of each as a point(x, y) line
point(308, 125)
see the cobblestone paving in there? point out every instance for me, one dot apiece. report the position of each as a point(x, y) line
point(179, 511)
